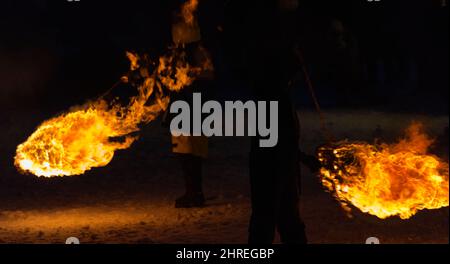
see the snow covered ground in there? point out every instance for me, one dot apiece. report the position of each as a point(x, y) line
point(132, 199)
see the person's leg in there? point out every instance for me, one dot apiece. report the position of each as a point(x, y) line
point(262, 221)
point(193, 170)
point(290, 225)
point(191, 166)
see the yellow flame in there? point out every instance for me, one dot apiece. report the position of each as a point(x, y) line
point(87, 137)
point(386, 180)
point(169, 68)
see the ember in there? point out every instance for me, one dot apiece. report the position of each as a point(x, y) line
point(386, 180)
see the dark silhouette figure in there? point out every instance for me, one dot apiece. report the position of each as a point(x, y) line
point(274, 172)
point(192, 150)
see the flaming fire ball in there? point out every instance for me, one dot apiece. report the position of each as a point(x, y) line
point(386, 179)
point(81, 139)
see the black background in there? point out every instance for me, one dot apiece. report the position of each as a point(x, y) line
point(54, 54)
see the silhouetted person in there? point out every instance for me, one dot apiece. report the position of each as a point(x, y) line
point(191, 150)
point(274, 172)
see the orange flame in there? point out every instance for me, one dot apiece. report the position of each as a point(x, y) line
point(188, 11)
point(386, 180)
point(83, 138)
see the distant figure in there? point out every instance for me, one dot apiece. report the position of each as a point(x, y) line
point(191, 150)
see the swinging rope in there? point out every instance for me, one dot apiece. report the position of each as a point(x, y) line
point(326, 132)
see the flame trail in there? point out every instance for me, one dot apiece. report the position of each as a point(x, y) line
point(74, 142)
point(386, 180)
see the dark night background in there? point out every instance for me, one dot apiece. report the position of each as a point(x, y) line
point(375, 66)
point(388, 55)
